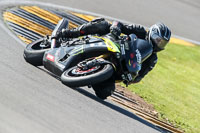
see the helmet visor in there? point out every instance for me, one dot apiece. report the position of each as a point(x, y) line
point(159, 41)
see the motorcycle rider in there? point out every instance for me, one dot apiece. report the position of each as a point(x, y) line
point(158, 36)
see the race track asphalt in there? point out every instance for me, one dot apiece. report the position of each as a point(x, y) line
point(33, 101)
point(182, 16)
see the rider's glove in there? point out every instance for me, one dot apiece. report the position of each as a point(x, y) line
point(65, 33)
point(115, 29)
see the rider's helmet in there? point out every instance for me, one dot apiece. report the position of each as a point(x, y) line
point(159, 35)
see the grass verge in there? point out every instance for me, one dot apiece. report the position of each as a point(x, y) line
point(173, 87)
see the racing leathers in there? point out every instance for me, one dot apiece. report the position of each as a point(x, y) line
point(101, 27)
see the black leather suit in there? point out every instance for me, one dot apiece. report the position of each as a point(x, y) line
point(101, 26)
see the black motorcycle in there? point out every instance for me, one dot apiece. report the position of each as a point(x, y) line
point(94, 61)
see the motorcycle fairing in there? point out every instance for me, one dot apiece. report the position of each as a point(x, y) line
point(68, 56)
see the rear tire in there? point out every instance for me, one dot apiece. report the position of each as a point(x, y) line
point(104, 89)
point(33, 53)
point(101, 74)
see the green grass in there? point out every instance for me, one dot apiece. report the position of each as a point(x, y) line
point(173, 86)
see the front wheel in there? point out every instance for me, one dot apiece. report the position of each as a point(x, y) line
point(34, 52)
point(75, 77)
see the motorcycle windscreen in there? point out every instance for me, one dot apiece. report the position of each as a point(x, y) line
point(62, 24)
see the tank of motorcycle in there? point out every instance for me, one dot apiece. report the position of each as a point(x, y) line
point(139, 50)
point(133, 63)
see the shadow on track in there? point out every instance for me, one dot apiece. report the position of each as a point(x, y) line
point(119, 109)
point(110, 105)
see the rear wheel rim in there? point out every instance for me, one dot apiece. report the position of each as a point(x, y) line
point(76, 72)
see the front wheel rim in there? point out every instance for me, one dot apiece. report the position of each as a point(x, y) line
point(41, 46)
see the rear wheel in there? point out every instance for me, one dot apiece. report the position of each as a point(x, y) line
point(76, 77)
point(34, 52)
point(104, 89)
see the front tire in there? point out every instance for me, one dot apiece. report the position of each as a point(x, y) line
point(73, 78)
point(33, 53)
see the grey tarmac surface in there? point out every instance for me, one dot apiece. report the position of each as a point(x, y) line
point(33, 101)
point(182, 16)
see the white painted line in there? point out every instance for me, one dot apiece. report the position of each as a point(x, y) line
point(186, 39)
point(3, 26)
